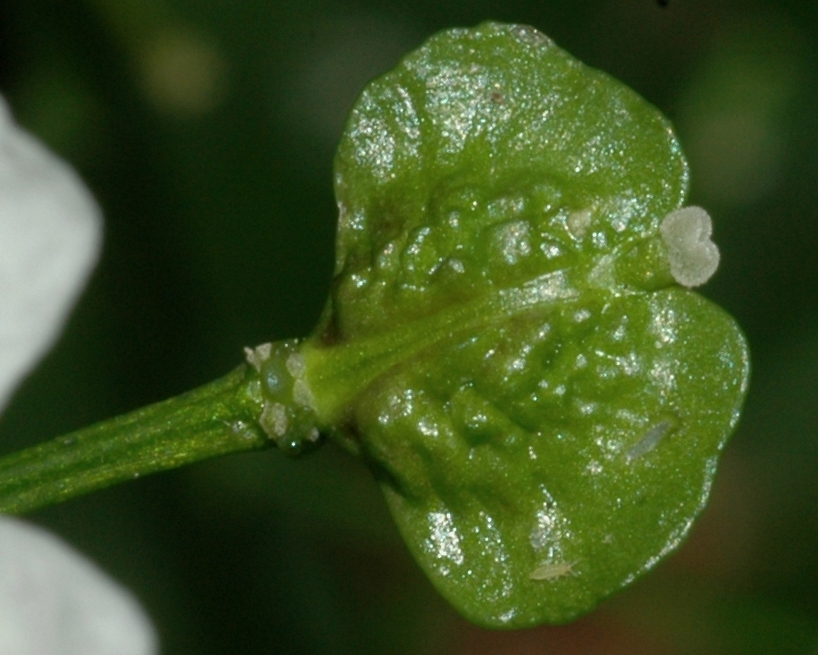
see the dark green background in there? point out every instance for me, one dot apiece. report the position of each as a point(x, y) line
point(219, 234)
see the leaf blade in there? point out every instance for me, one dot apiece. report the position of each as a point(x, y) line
point(505, 344)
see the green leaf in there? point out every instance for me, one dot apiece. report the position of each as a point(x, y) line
point(487, 158)
point(505, 343)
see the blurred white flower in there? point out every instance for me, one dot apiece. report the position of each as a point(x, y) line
point(53, 601)
point(50, 232)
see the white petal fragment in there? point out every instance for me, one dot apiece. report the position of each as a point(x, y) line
point(50, 233)
point(53, 601)
point(693, 256)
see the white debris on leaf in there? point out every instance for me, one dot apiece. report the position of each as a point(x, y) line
point(258, 355)
point(273, 420)
point(647, 443)
point(579, 222)
point(553, 571)
point(693, 256)
point(53, 601)
point(50, 232)
point(302, 394)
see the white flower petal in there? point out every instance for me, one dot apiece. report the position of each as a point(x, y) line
point(50, 233)
point(53, 601)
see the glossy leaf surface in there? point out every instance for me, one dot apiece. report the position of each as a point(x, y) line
point(505, 344)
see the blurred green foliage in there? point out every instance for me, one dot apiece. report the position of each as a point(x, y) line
point(207, 130)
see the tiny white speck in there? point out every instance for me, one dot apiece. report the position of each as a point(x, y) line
point(507, 616)
point(427, 428)
point(444, 539)
point(629, 364)
point(619, 332)
point(550, 250)
point(457, 266)
point(553, 571)
point(358, 281)
point(515, 365)
point(579, 222)
point(512, 240)
point(586, 409)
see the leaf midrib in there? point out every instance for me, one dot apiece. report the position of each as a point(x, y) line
point(336, 374)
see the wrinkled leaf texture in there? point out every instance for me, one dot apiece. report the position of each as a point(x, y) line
point(550, 410)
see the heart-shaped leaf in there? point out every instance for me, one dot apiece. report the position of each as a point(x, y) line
point(505, 342)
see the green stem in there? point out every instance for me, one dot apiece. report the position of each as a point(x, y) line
point(216, 419)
